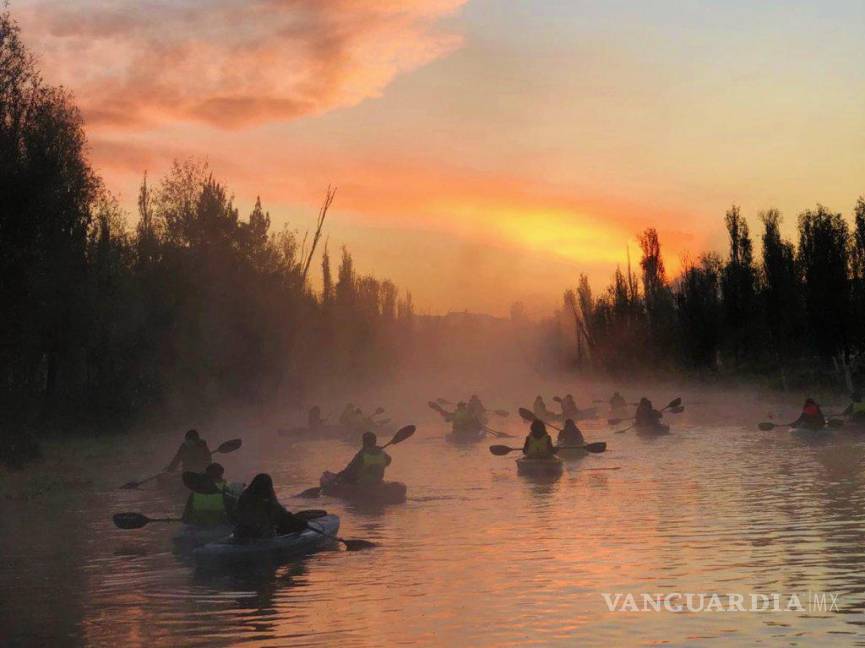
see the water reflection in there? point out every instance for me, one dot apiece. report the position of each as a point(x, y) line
point(477, 555)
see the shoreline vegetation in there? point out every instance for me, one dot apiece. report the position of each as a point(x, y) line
point(197, 308)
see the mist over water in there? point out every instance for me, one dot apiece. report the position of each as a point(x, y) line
point(477, 555)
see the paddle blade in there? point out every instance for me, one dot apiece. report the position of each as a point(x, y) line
point(501, 412)
point(130, 485)
point(230, 446)
point(614, 421)
point(835, 423)
point(402, 434)
point(558, 399)
point(378, 410)
point(677, 410)
point(311, 514)
point(198, 483)
point(357, 545)
point(674, 403)
point(500, 450)
point(765, 426)
point(527, 415)
point(130, 520)
point(598, 447)
point(310, 492)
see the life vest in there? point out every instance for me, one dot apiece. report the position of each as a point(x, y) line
point(209, 510)
point(372, 467)
point(811, 411)
point(538, 447)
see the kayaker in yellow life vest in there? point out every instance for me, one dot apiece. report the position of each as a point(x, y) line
point(856, 409)
point(538, 443)
point(193, 454)
point(347, 417)
point(213, 509)
point(368, 465)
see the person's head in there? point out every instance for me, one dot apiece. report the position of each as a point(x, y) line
point(538, 428)
point(461, 405)
point(616, 395)
point(474, 397)
point(214, 471)
point(192, 436)
point(810, 402)
point(570, 426)
point(369, 440)
point(261, 488)
point(644, 402)
point(358, 411)
point(315, 409)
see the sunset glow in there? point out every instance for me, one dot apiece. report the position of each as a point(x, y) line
point(456, 133)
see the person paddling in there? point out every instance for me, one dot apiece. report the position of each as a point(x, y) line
point(193, 454)
point(476, 408)
point(213, 509)
point(463, 422)
point(617, 403)
point(856, 409)
point(314, 420)
point(811, 416)
point(569, 407)
point(538, 443)
point(260, 515)
point(570, 435)
point(368, 465)
point(539, 407)
point(646, 415)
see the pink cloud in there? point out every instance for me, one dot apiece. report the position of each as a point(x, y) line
point(230, 63)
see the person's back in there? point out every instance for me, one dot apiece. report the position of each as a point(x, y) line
point(570, 435)
point(260, 515)
point(346, 418)
point(463, 421)
point(569, 407)
point(812, 416)
point(538, 444)
point(539, 407)
point(368, 466)
point(212, 509)
point(646, 415)
point(314, 420)
point(193, 454)
point(617, 402)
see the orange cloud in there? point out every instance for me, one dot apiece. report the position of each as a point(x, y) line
point(231, 63)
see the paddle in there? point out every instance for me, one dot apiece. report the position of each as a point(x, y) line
point(401, 435)
point(224, 448)
point(597, 447)
point(137, 520)
point(500, 412)
point(438, 408)
point(676, 402)
point(529, 417)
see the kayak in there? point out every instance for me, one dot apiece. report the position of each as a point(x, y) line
point(227, 552)
point(658, 429)
point(569, 454)
point(191, 536)
point(380, 494)
point(811, 433)
point(539, 467)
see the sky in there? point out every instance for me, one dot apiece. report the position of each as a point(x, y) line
point(485, 151)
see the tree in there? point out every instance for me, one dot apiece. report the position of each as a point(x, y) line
point(738, 287)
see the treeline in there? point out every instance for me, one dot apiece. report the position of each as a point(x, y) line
point(192, 307)
point(796, 315)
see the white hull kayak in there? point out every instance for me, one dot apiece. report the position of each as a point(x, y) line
point(279, 548)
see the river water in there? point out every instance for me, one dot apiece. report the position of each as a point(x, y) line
point(477, 556)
